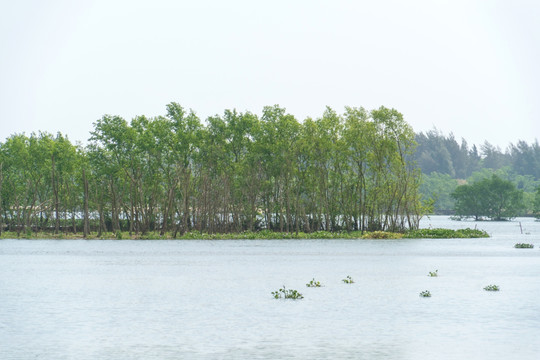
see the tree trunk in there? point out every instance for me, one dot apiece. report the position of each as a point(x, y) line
point(85, 225)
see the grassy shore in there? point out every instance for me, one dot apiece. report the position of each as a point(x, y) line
point(263, 235)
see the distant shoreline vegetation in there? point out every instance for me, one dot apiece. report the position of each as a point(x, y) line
point(263, 235)
point(230, 174)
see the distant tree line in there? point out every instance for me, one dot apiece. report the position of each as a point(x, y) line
point(446, 164)
point(231, 173)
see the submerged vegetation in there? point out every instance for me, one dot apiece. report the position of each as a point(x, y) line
point(232, 173)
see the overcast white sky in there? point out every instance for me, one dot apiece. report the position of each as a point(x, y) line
point(467, 67)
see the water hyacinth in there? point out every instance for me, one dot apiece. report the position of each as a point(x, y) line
point(313, 283)
point(523, 246)
point(287, 294)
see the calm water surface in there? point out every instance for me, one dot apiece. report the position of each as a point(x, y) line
point(65, 299)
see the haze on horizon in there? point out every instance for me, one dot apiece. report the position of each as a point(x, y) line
point(466, 67)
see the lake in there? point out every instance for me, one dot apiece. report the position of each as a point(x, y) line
point(124, 299)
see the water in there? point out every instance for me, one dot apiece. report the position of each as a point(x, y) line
point(63, 299)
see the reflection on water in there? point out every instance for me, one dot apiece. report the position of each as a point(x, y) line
point(211, 299)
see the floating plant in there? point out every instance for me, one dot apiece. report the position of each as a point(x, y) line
point(313, 283)
point(287, 294)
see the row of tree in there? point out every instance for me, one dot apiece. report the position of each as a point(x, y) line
point(234, 172)
point(444, 155)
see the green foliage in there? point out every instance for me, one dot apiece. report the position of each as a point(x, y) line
point(348, 280)
point(287, 294)
point(523, 246)
point(382, 235)
point(494, 198)
point(445, 234)
point(425, 293)
point(433, 273)
point(536, 207)
point(313, 283)
point(439, 187)
point(491, 288)
point(336, 176)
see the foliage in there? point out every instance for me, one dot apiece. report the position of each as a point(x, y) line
point(523, 246)
point(287, 294)
point(234, 173)
point(491, 288)
point(382, 235)
point(536, 209)
point(441, 158)
point(348, 280)
point(445, 234)
point(313, 283)
point(493, 198)
point(425, 293)
point(438, 187)
point(433, 273)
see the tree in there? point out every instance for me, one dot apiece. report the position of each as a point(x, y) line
point(493, 198)
point(536, 210)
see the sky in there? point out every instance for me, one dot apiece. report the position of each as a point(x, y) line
point(466, 67)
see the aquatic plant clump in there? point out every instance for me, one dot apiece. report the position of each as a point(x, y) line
point(491, 288)
point(313, 283)
point(348, 280)
point(445, 234)
point(433, 273)
point(287, 294)
point(425, 293)
point(523, 246)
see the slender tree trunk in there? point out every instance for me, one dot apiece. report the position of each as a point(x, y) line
point(85, 210)
point(1, 208)
point(55, 193)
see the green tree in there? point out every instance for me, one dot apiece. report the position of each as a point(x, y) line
point(492, 198)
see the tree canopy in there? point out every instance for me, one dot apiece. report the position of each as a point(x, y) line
point(492, 198)
point(230, 173)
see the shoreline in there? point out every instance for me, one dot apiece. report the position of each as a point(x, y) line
point(260, 235)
